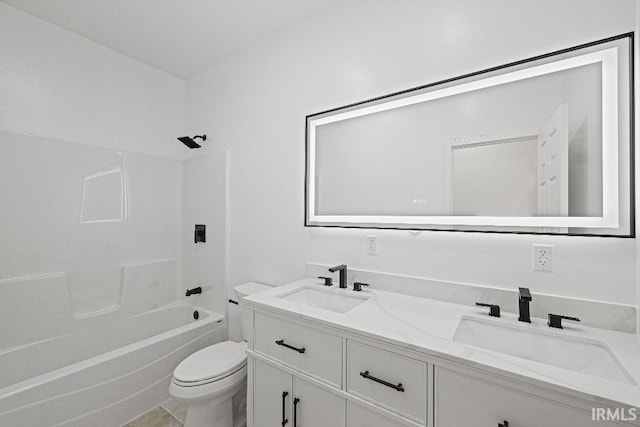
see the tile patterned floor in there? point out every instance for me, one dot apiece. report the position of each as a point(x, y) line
point(169, 414)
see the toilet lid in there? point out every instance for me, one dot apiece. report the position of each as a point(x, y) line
point(216, 361)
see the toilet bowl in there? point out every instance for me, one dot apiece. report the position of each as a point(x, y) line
point(213, 381)
point(207, 382)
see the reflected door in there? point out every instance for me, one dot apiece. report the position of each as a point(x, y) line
point(553, 166)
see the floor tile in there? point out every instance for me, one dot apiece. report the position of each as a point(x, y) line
point(177, 409)
point(158, 417)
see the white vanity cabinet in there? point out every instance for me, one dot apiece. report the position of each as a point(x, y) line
point(305, 375)
point(316, 406)
point(326, 376)
point(463, 399)
point(282, 399)
point(272, 394)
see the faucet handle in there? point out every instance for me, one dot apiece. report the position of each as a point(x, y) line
point(328, 281)
point(494, 309)
point(555, 320)
point(357, 286)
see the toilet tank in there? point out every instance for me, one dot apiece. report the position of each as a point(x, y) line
point(241, 292)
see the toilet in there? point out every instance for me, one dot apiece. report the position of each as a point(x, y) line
point(213, 381)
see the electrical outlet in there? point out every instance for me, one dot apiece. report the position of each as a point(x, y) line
point(543, 257)
point(372, 245)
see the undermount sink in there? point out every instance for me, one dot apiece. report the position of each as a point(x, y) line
point(586, 356)
point(328, 299)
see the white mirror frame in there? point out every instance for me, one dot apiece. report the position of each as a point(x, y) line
point(608, 58)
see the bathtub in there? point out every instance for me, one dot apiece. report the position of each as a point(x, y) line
point(103, 375)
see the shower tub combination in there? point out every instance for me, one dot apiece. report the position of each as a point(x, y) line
point(104, 375)
point(90, 330)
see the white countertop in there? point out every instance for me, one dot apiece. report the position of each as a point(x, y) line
point(428, 326)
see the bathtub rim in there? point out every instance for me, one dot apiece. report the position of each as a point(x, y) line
point(211, 318)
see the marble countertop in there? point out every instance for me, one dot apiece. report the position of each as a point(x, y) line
point(428, 326)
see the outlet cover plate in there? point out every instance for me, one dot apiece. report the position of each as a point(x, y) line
point(372, 245)
point(542, 258)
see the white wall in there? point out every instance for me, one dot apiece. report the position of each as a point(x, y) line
point(204, 194)
point(59, 85)
point(254, 104)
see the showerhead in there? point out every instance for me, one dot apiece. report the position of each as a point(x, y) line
point(190, 142)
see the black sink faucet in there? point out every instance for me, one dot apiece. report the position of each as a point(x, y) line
point(524, 298)
point(342, 268)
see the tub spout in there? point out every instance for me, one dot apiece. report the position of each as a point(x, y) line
point(193, 291)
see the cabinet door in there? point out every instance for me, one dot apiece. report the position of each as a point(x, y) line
point(316, 407)
point(272, 396)
point(463, 400)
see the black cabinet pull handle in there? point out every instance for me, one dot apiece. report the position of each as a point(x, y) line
point(284, 419)
point(233, 302)
point(503, 424)
point(295, 412)
point(299, 350)
point(366, 375)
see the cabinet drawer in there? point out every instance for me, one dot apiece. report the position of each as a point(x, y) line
point(361, 417)
point(314, 352)
point(464, 400)
point(390, 380)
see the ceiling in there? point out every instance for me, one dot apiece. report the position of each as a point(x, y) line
point(179, 37)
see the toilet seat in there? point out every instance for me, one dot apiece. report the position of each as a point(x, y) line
point(210, 364)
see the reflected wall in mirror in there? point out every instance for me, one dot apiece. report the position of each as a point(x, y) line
point(542, 145)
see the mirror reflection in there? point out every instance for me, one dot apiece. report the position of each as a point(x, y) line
point(538, 145)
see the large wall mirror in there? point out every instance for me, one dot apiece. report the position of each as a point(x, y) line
point(542, 145)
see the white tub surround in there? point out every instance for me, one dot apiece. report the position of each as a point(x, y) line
point(102, 375)
point(422, 330)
